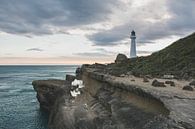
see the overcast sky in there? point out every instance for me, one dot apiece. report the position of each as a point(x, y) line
point(87, 31)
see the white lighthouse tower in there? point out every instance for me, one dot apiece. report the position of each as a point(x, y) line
point(133, 45)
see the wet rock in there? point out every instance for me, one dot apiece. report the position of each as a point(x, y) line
point(156, 83)
point(189, 88)
point(121, 58)
point(172, 83)
point(145, 79)
point(70, 78)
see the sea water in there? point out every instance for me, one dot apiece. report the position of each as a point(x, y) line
point(19, 108)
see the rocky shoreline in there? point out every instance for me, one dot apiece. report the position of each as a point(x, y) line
point(113, 102)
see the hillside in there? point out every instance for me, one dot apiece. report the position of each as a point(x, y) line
point(177, 59)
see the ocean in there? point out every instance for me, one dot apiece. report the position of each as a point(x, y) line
point(19, 108)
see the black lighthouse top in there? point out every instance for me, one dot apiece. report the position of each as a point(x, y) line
point(133, 33)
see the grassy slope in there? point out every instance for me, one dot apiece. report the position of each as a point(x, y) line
point(178, 59)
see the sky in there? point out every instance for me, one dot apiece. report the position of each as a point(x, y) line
point(88, 31)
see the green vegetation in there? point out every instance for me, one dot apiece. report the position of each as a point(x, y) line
point(177, 59)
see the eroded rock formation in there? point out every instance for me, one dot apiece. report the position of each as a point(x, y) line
point(112, 103)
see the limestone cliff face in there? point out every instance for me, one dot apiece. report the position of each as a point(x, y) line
point(106, 102)
point(176, 104)
point(49, 90)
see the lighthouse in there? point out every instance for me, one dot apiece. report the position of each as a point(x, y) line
point(133, 45)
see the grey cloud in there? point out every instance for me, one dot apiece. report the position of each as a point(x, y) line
point(181, 22)
point(146, 32)
point(183, 13)
point(36, 17)
point(35, 49)
point(110, 37)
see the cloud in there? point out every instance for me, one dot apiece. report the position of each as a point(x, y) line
point(38, 17)
point(110, 37)
point(35, 49)
point(153, 21)
point(183, 15)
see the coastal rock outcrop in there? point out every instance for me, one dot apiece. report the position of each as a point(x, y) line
point(145, 79)
point(172, 83)
point(156, 83)
point(110, 102)
point(106, 108)
point(182, 115)
point(49, 90)
point(121, 58)
point(189, 88)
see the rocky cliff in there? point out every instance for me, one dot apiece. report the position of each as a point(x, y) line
point(113, 103)
point(172, 101)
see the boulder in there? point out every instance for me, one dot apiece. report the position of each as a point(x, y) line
point(189, 88)
point(121, 58)
point(156, 83)
point(172, 83)
point(145, 79)
point(70, 78)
